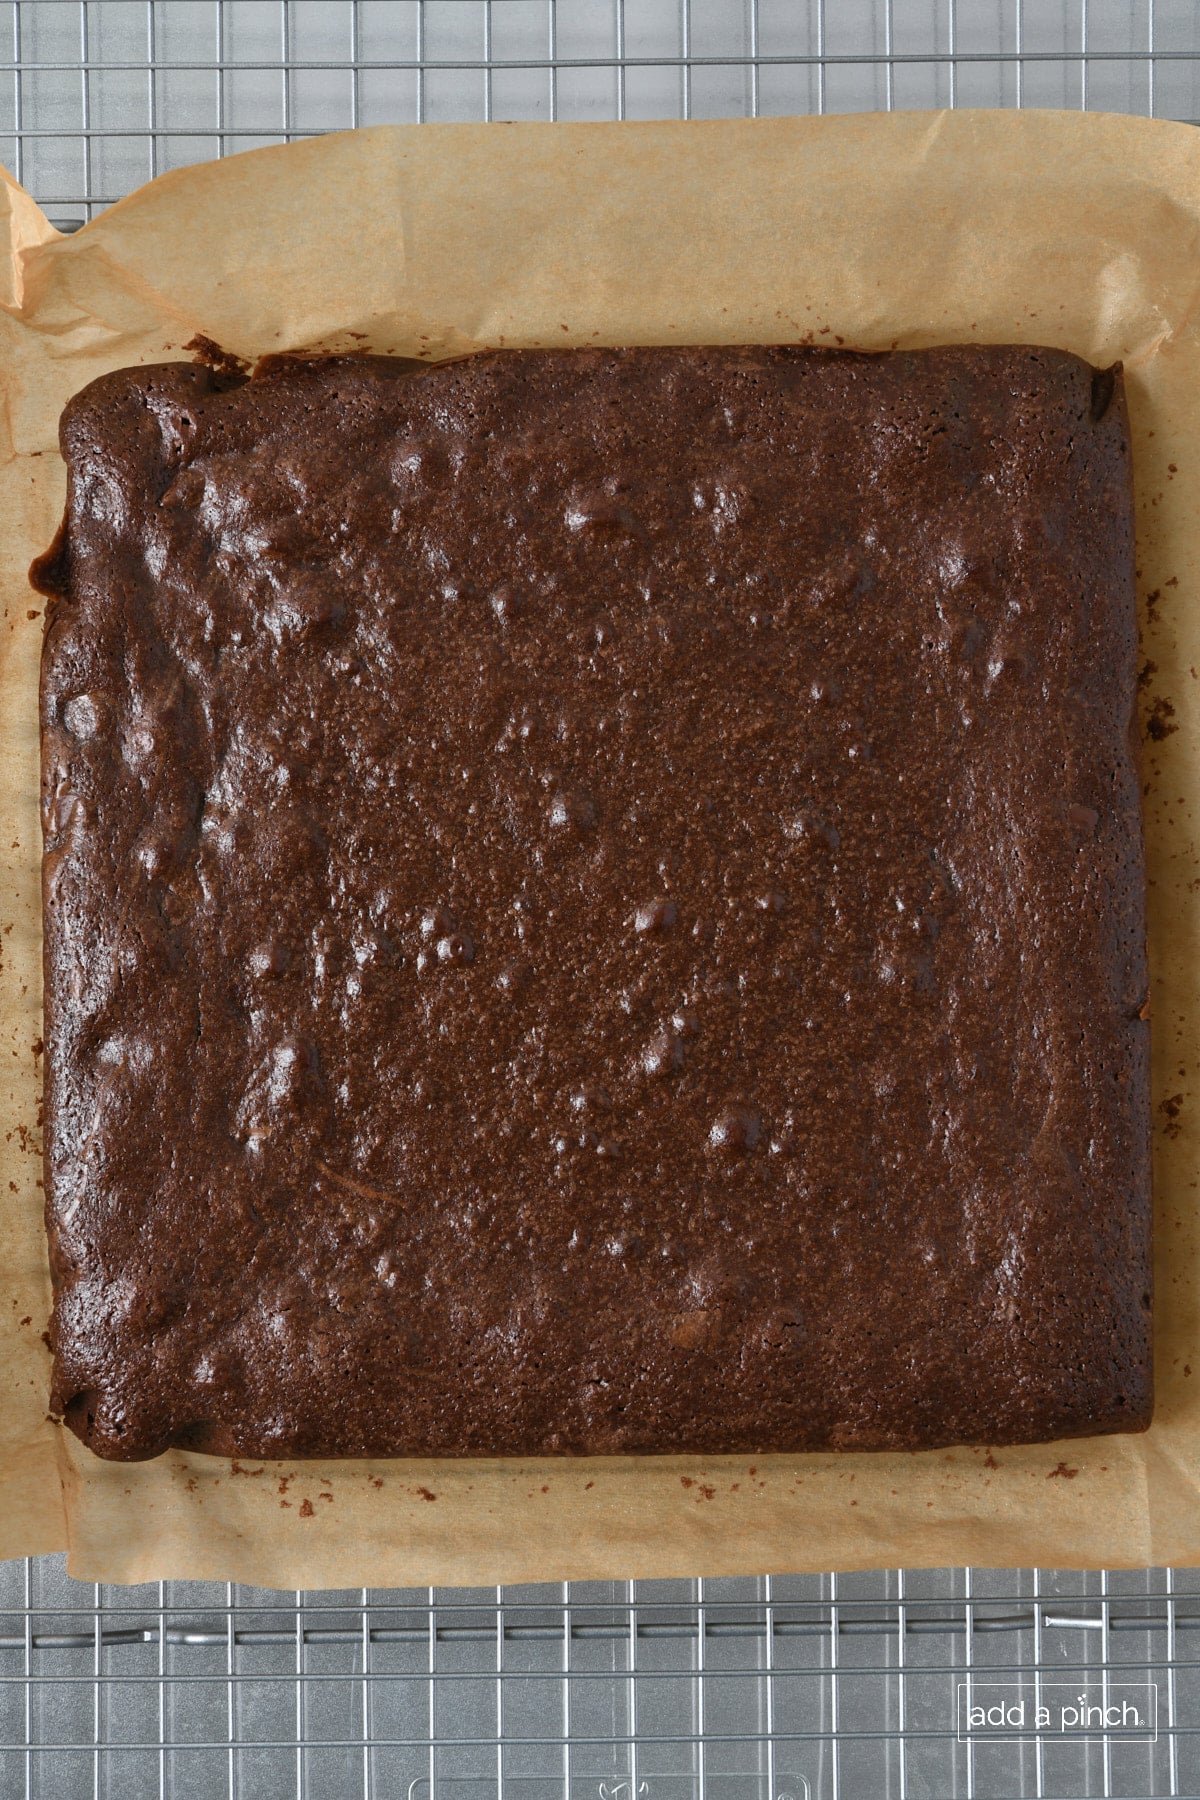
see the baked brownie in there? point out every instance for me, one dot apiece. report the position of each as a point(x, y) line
point(594, 902)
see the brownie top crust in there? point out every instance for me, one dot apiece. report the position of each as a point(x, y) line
point(594, 903)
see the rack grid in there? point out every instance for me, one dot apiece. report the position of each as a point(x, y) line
point(809, 1686)
point(97, 96)
point(830, 1687)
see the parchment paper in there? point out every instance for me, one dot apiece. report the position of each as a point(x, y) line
point(1079, 231)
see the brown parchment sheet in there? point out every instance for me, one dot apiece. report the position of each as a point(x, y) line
point(1052, 228)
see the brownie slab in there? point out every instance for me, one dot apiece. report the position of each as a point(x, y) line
point(594, 903)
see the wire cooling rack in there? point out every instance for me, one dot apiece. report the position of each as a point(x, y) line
point(849, 1687)
point(96, 96)
point(830, 1687)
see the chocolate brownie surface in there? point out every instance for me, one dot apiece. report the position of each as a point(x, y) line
point(594, 903)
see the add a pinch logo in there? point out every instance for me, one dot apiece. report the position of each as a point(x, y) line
point(1016, 1709)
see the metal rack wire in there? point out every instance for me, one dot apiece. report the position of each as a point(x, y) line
point(806, 1685)
point(97, 96)
point(814, 1687)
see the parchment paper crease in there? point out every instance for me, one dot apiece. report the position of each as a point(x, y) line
point(1079, 231)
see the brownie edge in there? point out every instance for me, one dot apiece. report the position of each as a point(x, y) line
point(595, 903)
